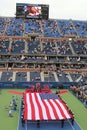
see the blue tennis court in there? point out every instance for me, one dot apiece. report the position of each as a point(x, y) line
point(47, 125)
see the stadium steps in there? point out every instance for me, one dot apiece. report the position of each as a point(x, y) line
point(69, 77)
point(42, 76)
point(14, 76)
point(24, 28)
point(28, 76)
point(67, 58)
point(58, 28)
point(0, 75)
point(26, 47)
point(10, 43)
point(77, 80)
point(73, 52)
point(74, 27)
point(41, 46)
point(56, 77)
point(56, 47)
point(6, 25)
point(41, 29)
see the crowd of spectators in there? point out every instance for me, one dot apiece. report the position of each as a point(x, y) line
point(63, 48)
point(81, 93)
point(14, 27)
point(32, 26)
point(45, 46)
point(80, 47)
point(81, 27)
point(67, 28)
point(2, 26)
point(47, 28)
point(74, 66)
point(50, 28)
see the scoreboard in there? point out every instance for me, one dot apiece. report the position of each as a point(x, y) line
point(38, 11)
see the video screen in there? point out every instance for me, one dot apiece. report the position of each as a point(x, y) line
point(32, 11)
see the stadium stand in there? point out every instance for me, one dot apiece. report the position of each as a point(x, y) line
point(52, 52)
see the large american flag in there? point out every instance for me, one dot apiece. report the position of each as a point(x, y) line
point(44, 107)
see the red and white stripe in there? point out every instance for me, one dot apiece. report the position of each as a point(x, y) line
point(44, 109)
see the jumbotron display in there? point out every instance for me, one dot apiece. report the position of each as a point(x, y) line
point(38, 11)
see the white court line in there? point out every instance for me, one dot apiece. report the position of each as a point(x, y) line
point(26, 125)
point(73, 126)
point(78, 124)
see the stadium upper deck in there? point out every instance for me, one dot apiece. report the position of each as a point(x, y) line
point(45, 28)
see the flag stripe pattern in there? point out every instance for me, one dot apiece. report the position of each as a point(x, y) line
point(38, 107)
